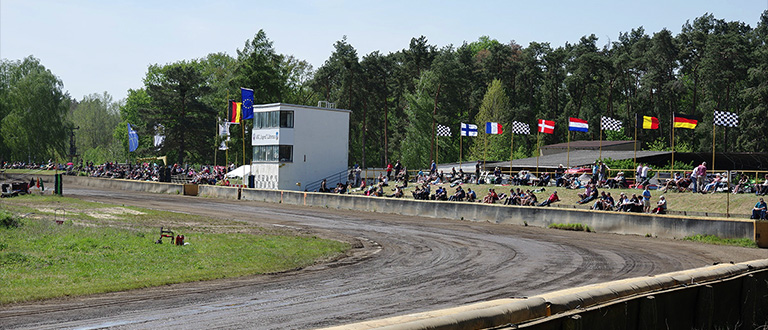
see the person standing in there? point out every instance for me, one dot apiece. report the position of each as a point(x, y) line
point(433, 168)
point(701, 177)
point(646, 200)
point(389, 171)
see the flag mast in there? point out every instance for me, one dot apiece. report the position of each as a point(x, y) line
point(634, 163)
point(673, 141)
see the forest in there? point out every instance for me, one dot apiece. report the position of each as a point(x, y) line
point(398, 98)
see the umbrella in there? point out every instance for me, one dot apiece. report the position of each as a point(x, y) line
point(70, 163)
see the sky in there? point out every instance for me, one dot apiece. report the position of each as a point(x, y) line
point(106, 46)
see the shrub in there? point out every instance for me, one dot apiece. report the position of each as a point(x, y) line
point(8, 220)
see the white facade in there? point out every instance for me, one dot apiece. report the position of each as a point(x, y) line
point(297, 144)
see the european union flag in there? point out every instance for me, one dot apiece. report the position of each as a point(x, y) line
point(133, 139)
point(247, 95)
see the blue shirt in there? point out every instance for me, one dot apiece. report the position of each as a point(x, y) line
point(646, 195)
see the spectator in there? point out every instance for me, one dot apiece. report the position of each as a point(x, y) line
point(552, 199)
point(389, 171)
point(398, 193)
point(743, 183)
point(672, 182)
point(661, 206)
point(758, 212)
point(559, 175)
point(763, 188)
point(617, 182)
point(701, 177)
point(544, 180)
point(646, 200)
point(593, 194)
point(471, 196)
point(459, 195)
point(491, 197)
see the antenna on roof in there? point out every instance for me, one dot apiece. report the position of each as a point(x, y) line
point(326, 104)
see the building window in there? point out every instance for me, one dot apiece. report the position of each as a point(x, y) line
point(275, 153)
point(273, 119)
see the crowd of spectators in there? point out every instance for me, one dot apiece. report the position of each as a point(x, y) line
point(205, 174)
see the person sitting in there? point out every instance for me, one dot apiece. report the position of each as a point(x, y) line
point(459, 195)
point(398, 193)
point(617, 182)
point(552, 199)
point(599, 203)
point(592, 196)
point(529, 199)
point(491, 197)
point(544, 180)
point(671, 182)
point(587, 192)
point(762, 189)
point(513, 198)
point(471, 196)
point(711, 187)
point(743, 183)
point(758, 212)
point(440, 194)
point(661, 206)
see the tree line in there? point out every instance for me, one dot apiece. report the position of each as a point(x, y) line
point(398, 98)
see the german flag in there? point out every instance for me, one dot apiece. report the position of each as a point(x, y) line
point(650, 122)
point(686, 121)
point(234, 112)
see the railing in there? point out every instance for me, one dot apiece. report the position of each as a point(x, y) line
point(331, 181)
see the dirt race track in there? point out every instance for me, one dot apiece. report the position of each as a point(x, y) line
point(404, 265)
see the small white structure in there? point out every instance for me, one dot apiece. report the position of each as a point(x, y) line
point(297, 145)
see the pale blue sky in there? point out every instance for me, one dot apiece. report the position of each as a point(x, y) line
point(96, 46)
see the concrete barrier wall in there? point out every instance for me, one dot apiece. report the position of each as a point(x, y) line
point(665, 226)
point(131, 185)
point(719, 297)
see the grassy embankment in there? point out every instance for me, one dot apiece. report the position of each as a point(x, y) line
point(740, 204)
point(103, 248)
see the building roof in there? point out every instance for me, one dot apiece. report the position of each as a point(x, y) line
point(288, 105)
point(580, 158)
point(587, 144)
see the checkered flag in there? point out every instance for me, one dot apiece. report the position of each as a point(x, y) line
point(520, 128)
point(610, 124)
point(728, 119)
point(443, 130)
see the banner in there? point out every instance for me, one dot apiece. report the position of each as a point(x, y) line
point(247, 96)
point(133, 139)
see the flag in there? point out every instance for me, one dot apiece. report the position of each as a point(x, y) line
point(650, 122)
point(578, 125)
point(493, 128)
point(468, 129)
point(546, 126)
point(685, 121)
point(728, 119)
point(247, 95)
point(234, 112)
point(443, 130)
point(158, 140)
point(608, 123)
point(520, 128)
point(133, 139)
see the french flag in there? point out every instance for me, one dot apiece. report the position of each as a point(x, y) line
point(492, 128)
point(579, 125)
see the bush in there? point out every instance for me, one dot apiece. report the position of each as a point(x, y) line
point(8, 220)
point(571, 226)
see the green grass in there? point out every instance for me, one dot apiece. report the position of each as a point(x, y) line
point(571, 226)
point(87, 255)
point(740, 205)
point(711, 239)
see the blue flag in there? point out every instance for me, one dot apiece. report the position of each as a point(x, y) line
point(247, 95)
point(133, 139)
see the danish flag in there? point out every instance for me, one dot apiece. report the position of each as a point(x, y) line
point(546, 126)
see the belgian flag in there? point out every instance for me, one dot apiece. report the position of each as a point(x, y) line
point(234, 112)
point(686, 121)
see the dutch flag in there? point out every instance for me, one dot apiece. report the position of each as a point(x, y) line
point(579, 125)
point(493, 128)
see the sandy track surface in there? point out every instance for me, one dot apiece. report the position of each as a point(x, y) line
point(404, 265)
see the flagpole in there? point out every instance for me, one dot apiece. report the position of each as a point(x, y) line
point(568, 154)
point(538, 150)
point(673, 142)
point(216, 150)
point(601, 142)
point(634, 164)
point(461, 147)
point(512, 150)
point(437, 152)
point(485, 150)
point(713, 147)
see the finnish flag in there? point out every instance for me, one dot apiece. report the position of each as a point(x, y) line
point(468, 130)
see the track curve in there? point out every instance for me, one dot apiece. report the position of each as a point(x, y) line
point(406, 265)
